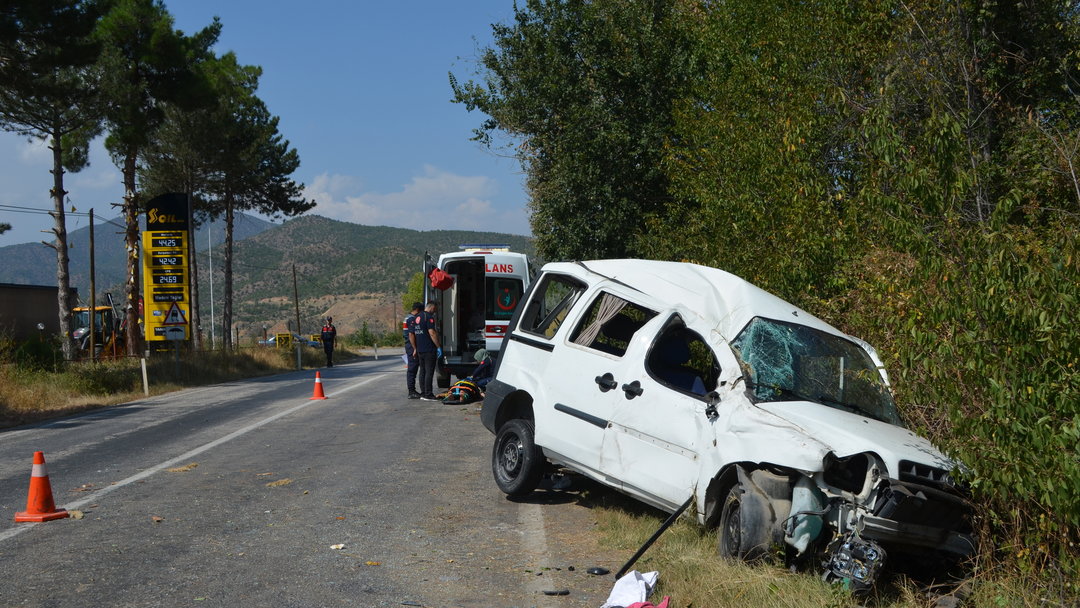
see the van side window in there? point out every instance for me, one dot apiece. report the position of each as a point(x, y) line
point(549, 304)
point(681, 360)
point(610, 323)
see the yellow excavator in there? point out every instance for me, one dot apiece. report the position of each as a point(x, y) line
point(108, 338)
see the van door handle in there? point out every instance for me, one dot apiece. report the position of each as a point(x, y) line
point(606, 382)
point(633, 389)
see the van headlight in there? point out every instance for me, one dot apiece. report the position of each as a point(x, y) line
point(854, 474)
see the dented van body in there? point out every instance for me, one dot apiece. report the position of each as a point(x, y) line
point(672, 381)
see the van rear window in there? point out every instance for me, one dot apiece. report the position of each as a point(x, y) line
point(503, 295)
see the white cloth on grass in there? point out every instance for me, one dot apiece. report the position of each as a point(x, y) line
point(633, 587)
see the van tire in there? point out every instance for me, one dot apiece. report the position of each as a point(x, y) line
point(740, 535)
point(516, 461)
point(442, 379)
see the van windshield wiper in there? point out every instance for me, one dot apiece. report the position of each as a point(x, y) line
point(788, 395)
point(842, 405)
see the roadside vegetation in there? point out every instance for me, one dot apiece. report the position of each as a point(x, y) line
point(906, 170)
point(692, 574)
point(36, 384)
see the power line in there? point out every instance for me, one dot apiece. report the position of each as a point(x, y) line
point(35, 211)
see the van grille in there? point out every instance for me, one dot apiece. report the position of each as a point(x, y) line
point(915, 472)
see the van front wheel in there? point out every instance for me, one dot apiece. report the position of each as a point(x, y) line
point(742, 536)
point(516, 461)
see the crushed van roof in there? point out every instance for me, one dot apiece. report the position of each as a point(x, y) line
point(721, 298)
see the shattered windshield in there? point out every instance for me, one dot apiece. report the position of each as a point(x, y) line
point(790, 362)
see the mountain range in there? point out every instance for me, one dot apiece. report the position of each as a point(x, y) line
point(353, 272)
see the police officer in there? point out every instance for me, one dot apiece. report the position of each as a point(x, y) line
point(425, 343)
point(329, 335)
point(408, 326)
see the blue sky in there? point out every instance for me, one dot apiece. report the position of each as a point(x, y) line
point(363, 95)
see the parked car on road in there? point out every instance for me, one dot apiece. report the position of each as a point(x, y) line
point(677, 383)
point(272, 341)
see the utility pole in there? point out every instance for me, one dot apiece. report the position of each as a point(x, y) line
point(296, 298)
point(93, 292)
point(296, 302)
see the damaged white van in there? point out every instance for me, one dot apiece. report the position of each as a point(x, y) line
point(677, 383)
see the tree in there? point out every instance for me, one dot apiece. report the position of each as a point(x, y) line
point(252, 164)
point(48, 92)
point(178, 159)
point(886, 165)
point(145, 64)
point(586, 88)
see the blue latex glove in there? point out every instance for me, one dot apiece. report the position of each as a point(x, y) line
point(438, 353)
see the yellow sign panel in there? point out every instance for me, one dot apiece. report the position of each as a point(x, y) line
point(166, 283)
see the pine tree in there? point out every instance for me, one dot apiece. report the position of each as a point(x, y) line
point(47, 92)
point(145, 65)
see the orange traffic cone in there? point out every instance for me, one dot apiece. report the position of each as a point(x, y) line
point(318, 388)
point(39, 502)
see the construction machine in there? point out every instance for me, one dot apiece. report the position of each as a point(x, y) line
point(108, 336)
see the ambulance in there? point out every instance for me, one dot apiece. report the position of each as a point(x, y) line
point(477, 289)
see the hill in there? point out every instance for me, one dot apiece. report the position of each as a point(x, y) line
point(35, 263)
point(353, 272)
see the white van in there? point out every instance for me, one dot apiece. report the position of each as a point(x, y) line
point(680, 384)
point(475, 309)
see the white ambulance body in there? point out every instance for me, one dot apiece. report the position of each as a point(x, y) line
point(475, 310)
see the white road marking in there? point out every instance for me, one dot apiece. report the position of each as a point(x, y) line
point(95, 496)
point(534, 541)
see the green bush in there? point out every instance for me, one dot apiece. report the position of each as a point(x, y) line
point(982, 338)
point(36, 354)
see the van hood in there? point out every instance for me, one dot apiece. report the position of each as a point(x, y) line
point(846, 433)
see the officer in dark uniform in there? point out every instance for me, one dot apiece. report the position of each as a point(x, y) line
point(329, 335)
point(408, 326)
point(425, 341)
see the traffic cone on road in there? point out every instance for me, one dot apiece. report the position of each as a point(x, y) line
point(318, 388)
point(39, 501)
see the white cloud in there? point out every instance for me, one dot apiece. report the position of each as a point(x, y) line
point(97, 177)
point(436, 199)
point(35, 152)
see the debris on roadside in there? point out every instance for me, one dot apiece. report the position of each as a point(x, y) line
point(633, 589)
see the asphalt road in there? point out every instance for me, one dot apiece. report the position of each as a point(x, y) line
point(252, 494)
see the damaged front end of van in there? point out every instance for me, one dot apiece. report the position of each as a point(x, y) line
point(824, 468)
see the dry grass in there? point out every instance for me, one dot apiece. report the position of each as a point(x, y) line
point(29, 394)
point(693, 575)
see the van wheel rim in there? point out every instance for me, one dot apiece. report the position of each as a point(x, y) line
point(732, 531)
point(510, 459)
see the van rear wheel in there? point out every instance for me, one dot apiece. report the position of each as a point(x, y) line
point(516, 461)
